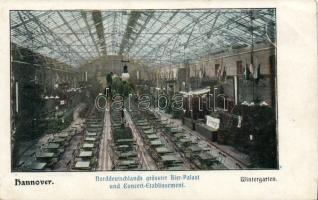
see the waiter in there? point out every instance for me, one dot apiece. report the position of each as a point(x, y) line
point(109, 80)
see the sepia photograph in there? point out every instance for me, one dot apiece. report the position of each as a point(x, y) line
point(143, 90)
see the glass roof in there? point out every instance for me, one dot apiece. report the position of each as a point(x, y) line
point(153, 36)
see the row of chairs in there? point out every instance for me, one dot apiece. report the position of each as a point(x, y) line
point(124, 148)
point(87, 152)
point(150, 125)
point(187, 145)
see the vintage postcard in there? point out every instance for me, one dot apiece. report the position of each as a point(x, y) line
point(158, 100)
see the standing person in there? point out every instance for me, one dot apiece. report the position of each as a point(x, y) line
point(109, 79)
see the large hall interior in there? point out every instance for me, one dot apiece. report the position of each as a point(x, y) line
point(99, 90)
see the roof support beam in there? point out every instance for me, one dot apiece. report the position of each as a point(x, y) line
point(187, 26)
point(187, 42)
point(84, 15)
point(245, 27)
point(45, 37)
point(140, 30)
point(26, 21)
point(132, 21)
point(34, 18)
point(82, 30)
point(212, 30)
point(69, 27)
point(161, 27)
point(98, 21)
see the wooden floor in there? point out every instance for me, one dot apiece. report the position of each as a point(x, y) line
point(104, 160)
